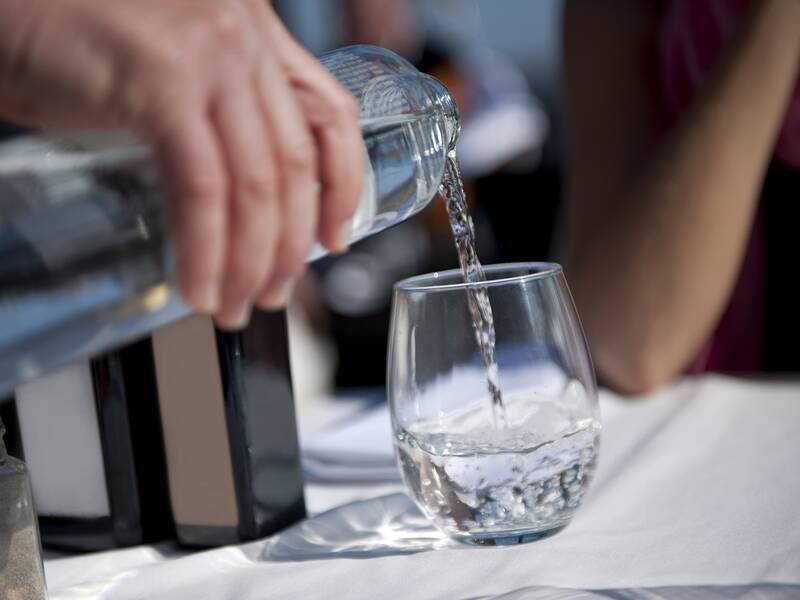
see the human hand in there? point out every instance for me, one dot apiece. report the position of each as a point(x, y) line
point(259, 146)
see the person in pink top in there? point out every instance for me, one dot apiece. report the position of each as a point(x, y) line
point(683, 186)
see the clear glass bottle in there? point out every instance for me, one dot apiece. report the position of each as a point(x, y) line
point(21, 570)
point(85, 252)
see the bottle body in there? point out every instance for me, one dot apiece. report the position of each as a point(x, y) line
point(21, 570)
point(86, 262)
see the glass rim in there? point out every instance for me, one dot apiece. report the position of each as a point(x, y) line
point(426, 281)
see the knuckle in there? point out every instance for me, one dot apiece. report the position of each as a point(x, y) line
point(347, 105)
point(225, 27)
point(166, 64)
point(153, 109)
point(205, 191)
point(157, 65)
point(347, 193)
point(255, 188)
point(149, 88)
point(300, 156)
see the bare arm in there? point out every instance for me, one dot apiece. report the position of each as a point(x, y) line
point(658, 223)
point(392, 24)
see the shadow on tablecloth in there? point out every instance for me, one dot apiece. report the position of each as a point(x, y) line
point(384, 526)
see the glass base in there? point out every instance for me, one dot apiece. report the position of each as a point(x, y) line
point(506, 538)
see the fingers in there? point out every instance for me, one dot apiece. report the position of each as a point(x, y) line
point(333, 115)
point(246, 125)
point(196, 182)
point(278, 162)
point(253, 206)
point(342, 157)
point(296, 159)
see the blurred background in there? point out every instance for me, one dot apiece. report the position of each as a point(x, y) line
point(501, 61)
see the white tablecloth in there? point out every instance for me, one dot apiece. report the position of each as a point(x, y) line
point(697, 496)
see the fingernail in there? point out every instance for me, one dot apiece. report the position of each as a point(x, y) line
point(204, 300)
point(234, 319)
point(278, 295)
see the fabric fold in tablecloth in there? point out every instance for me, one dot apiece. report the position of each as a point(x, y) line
point(358, 451)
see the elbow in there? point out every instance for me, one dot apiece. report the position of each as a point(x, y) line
point(634, 372)
point(634, 351)
point(633, 354)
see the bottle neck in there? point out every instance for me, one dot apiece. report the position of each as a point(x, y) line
point(446, 105)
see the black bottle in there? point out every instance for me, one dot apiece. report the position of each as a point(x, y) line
point(229, 428)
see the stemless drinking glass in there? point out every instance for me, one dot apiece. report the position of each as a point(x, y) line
point(481, 478)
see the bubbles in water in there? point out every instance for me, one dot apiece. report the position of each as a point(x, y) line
point(507, 483)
